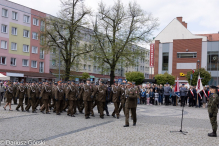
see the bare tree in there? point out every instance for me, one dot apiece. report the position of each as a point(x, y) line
point(67, 26)
point(118, 30)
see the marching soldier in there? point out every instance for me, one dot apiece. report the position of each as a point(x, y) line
point(101, 98)
point(79, 102)
point(130, 104)
point(59, 96)
point(87, 93)
point(213, 110)
point(115, 94)
point(71, 95)
point(9, 96)
point(21, 91)
point(122, 105)
point(31, 93)
point(53, 105)
point(45, 94)
point(66, 103)
point(15, 85)
point(38, 91)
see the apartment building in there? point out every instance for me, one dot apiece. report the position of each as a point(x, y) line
point(20, 54)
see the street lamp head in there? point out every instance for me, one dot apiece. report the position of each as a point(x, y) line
point(198, 62)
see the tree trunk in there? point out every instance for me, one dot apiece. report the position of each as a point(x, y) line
point(112, 76)
point(67, 72)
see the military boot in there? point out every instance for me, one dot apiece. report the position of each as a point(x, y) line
point(213, 134)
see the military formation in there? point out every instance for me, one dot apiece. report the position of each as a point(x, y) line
point(73, 98)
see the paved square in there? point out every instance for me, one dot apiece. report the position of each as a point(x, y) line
point(154, 124)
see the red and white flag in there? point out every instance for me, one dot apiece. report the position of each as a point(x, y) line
point(177, 86)
point(193, 71)
point(199, 86)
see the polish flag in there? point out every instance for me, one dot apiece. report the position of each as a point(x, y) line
point(177, 86)
point(199, 86)
point(193, 71)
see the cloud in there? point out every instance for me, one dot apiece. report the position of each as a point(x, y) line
point(201, 15)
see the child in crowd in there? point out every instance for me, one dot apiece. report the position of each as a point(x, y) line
point(156, 97)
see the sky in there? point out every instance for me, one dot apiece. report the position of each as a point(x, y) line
point(201, 16)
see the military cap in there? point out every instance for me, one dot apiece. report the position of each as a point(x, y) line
point(129, 83)
point(167, 83)
point(55, 83)
point(116, 82)
point(213, 87)
point(183, 84)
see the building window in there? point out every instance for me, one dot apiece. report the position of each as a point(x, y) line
point(26, 19)
point(35, 22)
point(89, 67)
point(54, 51)
point(4, 44)
point(35, 36)
point(25, 62)
point(186, 55)
point(53, 62)
point(95, 68)
point(14, 31)
point(25, 48)
point(41, 69)
point(212, 61)
point(14, 15)
point(4, 28)
point(41, 39)
point(3, 60)
point(34, 64)
point(165, 61)
point(13, 61)
point(84, 66)
point(41, 53)
point(42, 26)
point(13, 46)
point(4, 12)
point(26, 34)
point(34, 49)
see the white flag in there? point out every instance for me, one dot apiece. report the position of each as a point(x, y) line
point(199, 86)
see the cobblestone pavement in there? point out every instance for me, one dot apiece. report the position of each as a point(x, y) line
point(154, 124)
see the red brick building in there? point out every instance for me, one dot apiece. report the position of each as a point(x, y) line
point(177, 51)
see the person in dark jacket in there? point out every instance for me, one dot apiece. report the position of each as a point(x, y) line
point(151, 95)
point(167, 91)
point(160, 91)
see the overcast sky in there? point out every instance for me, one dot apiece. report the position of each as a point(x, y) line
point(201, 15)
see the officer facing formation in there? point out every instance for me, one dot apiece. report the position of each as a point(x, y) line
point(130, 104)
point(213, 110)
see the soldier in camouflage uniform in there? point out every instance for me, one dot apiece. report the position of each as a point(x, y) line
point(213, 110)
point(9, 96)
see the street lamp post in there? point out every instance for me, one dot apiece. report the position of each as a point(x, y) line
point(59, 41)
point(198, 62)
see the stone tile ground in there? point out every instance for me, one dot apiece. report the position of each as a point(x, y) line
point(153, 128)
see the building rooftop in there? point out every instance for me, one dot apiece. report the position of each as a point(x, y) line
point(211, 37)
